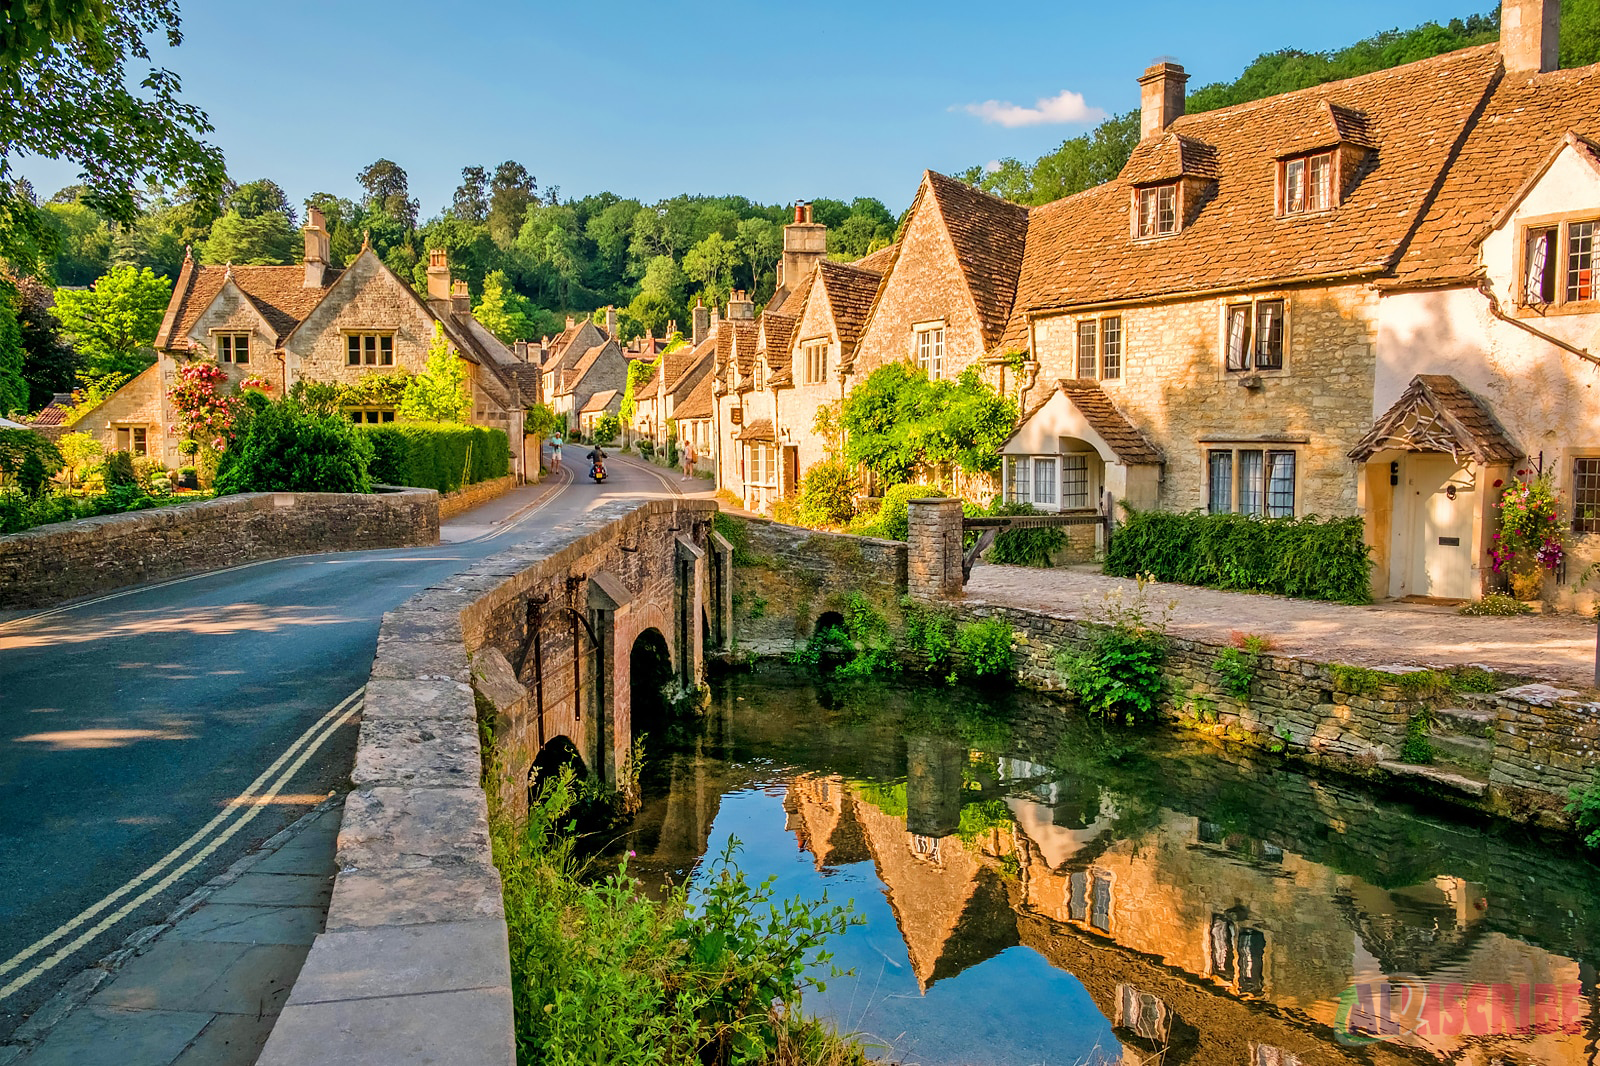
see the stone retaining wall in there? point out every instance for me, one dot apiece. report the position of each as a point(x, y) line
point(413, 966)
point(465, 499)
point(46, 565)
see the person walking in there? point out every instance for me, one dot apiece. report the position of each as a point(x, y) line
point(688, 456)
point(555, 454)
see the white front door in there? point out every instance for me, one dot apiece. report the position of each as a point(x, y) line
point(1440, 495)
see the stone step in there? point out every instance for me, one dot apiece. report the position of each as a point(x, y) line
point(1474, 752)
point(1435, 775)
point(1464, 721)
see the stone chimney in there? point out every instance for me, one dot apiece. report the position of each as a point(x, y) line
point(438, 275)
point(611, 322)
point(1530, 35)
point(741, 307)
point(571, 322)
point(805, 243)
point(699, 322)
point(460, 299)
point(316, 249)
point(520, 350)
point(716, 319)
point(1160, 98)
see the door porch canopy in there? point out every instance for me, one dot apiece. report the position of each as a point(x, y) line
point(1436, 413)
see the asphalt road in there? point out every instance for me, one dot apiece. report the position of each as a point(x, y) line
point(129, 723)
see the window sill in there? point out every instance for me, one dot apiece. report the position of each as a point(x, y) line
point(1556, 310)
point(1154, 237)
point(1290, 216)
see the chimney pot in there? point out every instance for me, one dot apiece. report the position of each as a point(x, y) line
point(699, 323)
point(1161, 98)
point(1530, 36)
point(316, 257)
point(460, 299)
point(611, 322)
point(438, 274)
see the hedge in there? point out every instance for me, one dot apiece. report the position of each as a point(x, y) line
point(437, 455)
point(1304, 557)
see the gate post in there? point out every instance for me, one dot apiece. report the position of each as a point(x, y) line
point(933, 548)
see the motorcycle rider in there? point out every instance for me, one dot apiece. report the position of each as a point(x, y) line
point(597, 463)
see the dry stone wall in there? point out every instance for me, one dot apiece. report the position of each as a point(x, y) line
point(65, 560)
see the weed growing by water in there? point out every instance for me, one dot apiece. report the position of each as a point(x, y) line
point(1119, 675)
point(985, 647)
point(602, 974)
point(1584, 806)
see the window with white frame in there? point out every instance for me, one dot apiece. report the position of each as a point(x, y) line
point(1156, 212)
point(369, 349)
point(1019, 479)
point(1255, 335)
point(762, 465)
point(761, 375)
point(1088, 348)
point(1305, 184)
point(1111, 348)
point(1252, 481)
point(930, 351)
point(815, 355)
point(233, 347)
point(1044, 481)
point(1558, 262)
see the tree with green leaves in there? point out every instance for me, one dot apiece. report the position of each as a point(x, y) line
point(70, 95)
point(113, 324)
point(82, 242)
point(439, 393)
point(711, 263)
point(471, 201)
point(501, 310)
point(49, 365)
point(13, 385)
point(266, 239)
point(512, 190)
point(388, 192)
point(898, 422)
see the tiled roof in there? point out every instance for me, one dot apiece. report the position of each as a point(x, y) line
point(698, 367)
point(697, 404)
point(278, 292)
point(598, 401)
point(1102, 415)
point(989, 235)
point(1079, 250)
point(744, 335)
point(1168, 158)
point(1522, 123)
point(527, 378)
point(55, 414)
point(571, 377)
point(878, 262)
point(777, 331)
point(757, 429)
point(850, 292)
point(1436, 413)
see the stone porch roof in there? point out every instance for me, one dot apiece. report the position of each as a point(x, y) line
point(1436, 413)
point(1091, 401)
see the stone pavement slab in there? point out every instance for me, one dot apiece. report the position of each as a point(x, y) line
point(208, 990)
point(1549, 647)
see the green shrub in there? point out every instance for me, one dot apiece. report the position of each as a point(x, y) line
point(647, 448)
point(892, 520)
point(1024, 547)
point(602, 974)
point(120, 470)
point(827, 494)
point(1584, 806)
point(867, 633)
point(985, 647)
point(436, 455)
point(1303, 557)
point(285, 446)
point(1417, 748)
point(1237, 668)
point(607, 428)
point(1497, 605)
point(28, 456)
point(1118, 675)
point(19, 512)
point(930, 635)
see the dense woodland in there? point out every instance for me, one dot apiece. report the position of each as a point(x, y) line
point(528, 254)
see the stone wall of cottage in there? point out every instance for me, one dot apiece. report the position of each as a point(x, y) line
point(797, 404)
point(1174, 387)
point(230, 312)
point(927, 285)
point(58, 562)
point(366, 298)
point(141, 402)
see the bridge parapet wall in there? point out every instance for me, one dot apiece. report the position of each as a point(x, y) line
point(413, 966)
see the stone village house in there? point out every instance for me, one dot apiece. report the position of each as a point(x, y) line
point(1372, 297)
point(309, 322)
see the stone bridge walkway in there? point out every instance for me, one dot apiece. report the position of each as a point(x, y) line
point(1554, 648)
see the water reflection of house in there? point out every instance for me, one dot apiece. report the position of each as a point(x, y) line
point(822, 816)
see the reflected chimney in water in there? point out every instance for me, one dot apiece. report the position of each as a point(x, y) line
point(933, 785)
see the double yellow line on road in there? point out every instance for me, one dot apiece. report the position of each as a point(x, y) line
point(242, 810)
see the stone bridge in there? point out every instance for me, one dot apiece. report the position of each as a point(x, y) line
point(569, 647)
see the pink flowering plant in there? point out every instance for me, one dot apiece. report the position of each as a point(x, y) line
point(1530, 542)
point(205, 414)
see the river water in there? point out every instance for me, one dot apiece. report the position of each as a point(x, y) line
point(1038, 889)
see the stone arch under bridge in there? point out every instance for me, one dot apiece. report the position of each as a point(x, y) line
point(552, 645)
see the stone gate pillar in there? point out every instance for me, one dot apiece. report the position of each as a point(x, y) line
point(933, 549)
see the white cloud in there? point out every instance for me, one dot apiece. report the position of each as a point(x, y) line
point(992, 167)
point(1065, 107)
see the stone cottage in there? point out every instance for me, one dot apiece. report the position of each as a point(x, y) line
point(309, 322)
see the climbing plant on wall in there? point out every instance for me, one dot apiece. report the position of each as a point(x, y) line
point(898, 420)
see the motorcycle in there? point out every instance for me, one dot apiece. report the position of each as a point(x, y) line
point(597, 471)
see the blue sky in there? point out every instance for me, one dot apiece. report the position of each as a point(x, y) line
point(835, 98)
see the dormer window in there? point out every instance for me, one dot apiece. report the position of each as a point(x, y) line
point(1306, 184)
point(1157, 211)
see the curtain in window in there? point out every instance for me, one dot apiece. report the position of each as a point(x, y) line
point(1280, 484)
point(1018, 485)
point(1320, 185)
point(1078, 896)
point(1269, 335)
point(1533, 287)
point(1044, 481)
point(1250, 483)
point(1294, 186)
point(1100, 903)
point(1220, 499)
point(1239, 337)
